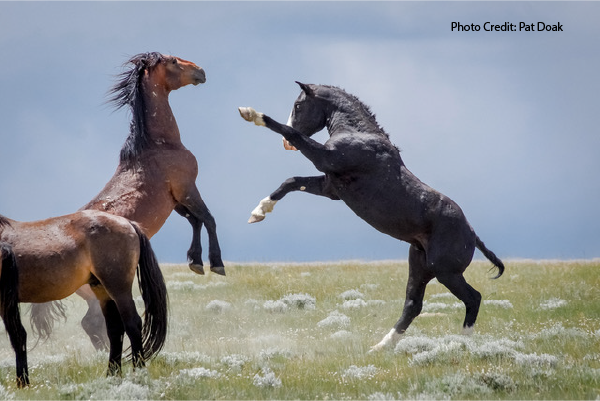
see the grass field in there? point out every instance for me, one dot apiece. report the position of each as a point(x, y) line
point(302, 331)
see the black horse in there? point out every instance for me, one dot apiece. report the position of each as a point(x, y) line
point(364, 169)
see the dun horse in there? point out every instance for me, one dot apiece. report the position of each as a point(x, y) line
point(364, 169)
point(156, 173)
point(50, 259)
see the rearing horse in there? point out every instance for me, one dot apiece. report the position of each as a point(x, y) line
point(156, 173)
point(364, 169)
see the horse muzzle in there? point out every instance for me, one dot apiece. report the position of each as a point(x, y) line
point(199, 76)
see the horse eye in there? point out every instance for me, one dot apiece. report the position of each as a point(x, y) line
point(174, 61)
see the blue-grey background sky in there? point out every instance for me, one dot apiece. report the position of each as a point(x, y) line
point(505, 123)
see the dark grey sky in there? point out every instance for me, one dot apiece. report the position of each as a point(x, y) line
point(504, 123)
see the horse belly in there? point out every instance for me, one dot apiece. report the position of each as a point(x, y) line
point(383, 203)
point(50, 275)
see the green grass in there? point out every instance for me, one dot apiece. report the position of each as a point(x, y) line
point(234, 337)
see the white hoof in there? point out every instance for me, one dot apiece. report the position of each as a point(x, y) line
point(249, 114)
point(265, 206)
point(468, 330)
point(390, 340)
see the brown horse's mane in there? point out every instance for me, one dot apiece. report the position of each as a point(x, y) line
point(3, 222)
point(128, 92)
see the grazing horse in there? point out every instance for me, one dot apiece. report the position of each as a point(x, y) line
point(55, 257)
point(156, 173)
point(364, 169)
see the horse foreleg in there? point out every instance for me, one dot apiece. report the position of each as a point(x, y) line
point(197, 213)
point(318, 185)
point(194, 254)
point(418, 277)
point(314, 151)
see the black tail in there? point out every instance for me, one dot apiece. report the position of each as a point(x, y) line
point(154, 293)
point(11, 314)
point(490, 255)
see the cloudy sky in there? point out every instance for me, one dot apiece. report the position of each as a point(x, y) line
point(505, 123)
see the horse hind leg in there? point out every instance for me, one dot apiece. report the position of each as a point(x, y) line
point(115, 331)
point(418, 277)
point(93, 323)
point(133, 328)
point(458, 286)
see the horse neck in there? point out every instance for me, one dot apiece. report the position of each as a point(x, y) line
point(159, 122)
point(342, 119)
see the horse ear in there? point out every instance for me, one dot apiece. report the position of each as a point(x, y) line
point(306, 89)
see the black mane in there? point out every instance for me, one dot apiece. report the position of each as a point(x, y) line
point(362, 116)
point(128, 92)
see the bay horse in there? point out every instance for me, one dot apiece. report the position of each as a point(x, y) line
point(50, 259)
point(364, 169)
point(156, 172)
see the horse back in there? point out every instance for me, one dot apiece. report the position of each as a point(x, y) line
point(56, 256)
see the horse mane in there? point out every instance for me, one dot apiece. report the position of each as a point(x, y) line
point(128, 92)
point(4, 221)
point(354, 103)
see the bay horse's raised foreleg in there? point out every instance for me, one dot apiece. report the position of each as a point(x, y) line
point(317, 153)
point(194, 254)
point(193, 208)
point(418, 277)
point(318, 185)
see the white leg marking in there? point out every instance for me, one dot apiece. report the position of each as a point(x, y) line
point(390, 340)
point(265, 206)
point(249, 114)
point(467, 331)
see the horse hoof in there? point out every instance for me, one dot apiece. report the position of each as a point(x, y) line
point(247, 113)
point(196, 268)
point(255, 218)
point(218, 269)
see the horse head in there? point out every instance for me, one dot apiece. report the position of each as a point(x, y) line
point(309, 114)
point(174, 73)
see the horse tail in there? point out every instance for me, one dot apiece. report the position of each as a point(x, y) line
point(11, 314)
point(43, 315)
point(490, 255)
point(9, 287)
point(154, 293)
